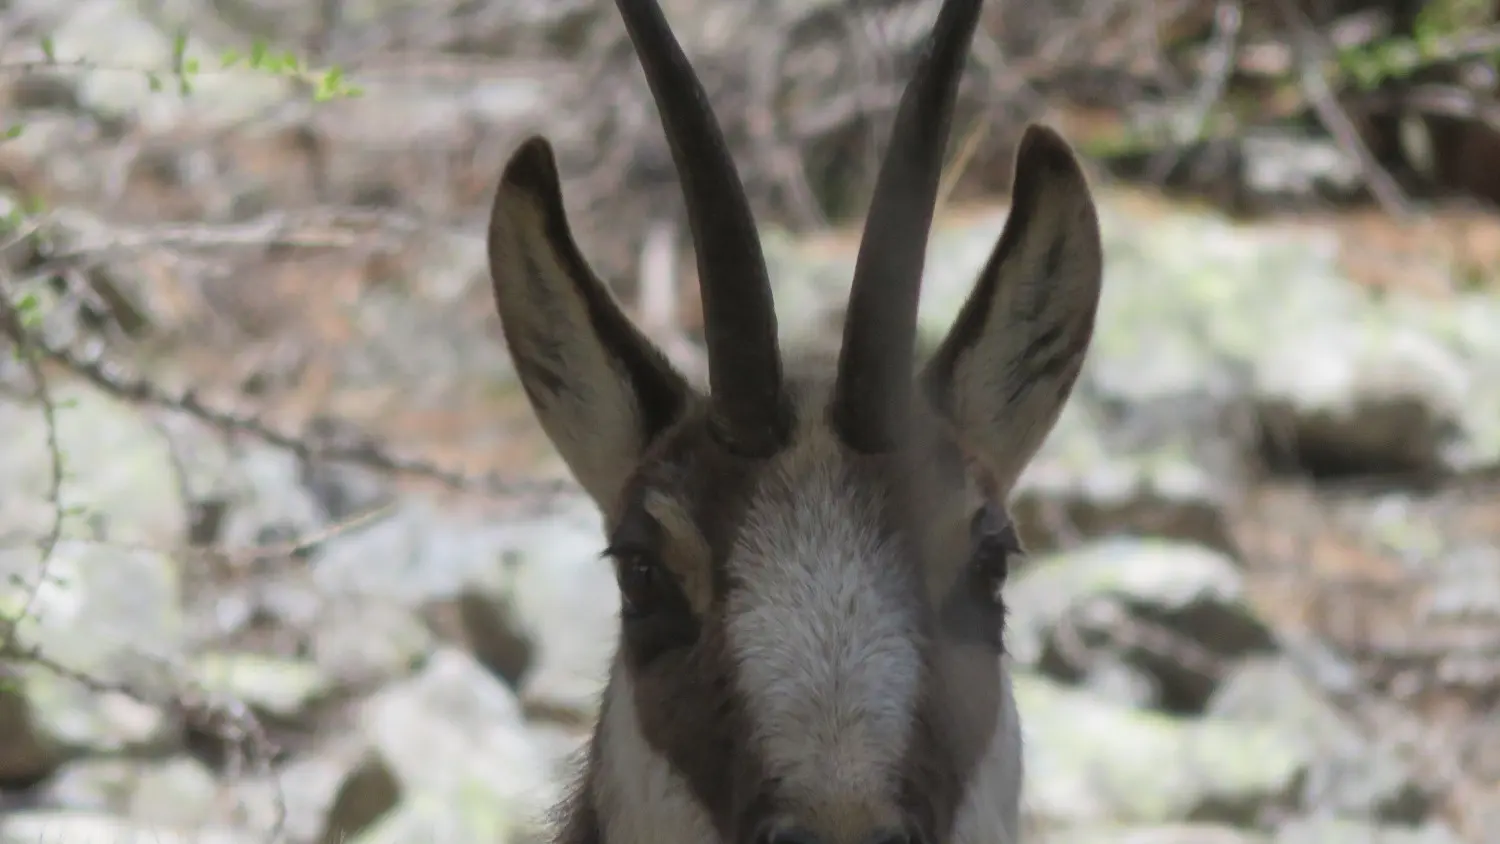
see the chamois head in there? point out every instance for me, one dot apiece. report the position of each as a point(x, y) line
point(809, 557)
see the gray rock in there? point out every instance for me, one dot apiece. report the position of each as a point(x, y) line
point(1341, 831)
point(454, 737)
point(1285, 167)
point(468, 817)
point(1462, 323)
point(1366, 383)
point(1364, 394)
point(1351, 775)
point(367, 791)
point(543, 573)
point(65, 827)
point(248, 497)
point(28, 752)
point(1187, 314)
point(487, 623)
point(1088, 481)
point(1092, 761)
point(1170, 834)
point(109, 614)
point(344, 491)
point(417, 553)
point(363, 642)
point(279, 687)
point(175, 794)
point(438, 319)
point(99, 602)
point(267, 502)
point(1113, 678)
point(121, 482)
point(329, 792)
point(566, 599)
point(1477, 567)
point(1111, 589)
point(91, 785)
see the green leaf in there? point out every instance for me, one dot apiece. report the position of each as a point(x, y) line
point(153, 81)
point(29, 306)
point(230, 58)
point(258, 53)
point(14, 131)
point(179, 50)
point(49, 48)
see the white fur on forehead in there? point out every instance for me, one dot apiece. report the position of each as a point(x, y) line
point(823, 634)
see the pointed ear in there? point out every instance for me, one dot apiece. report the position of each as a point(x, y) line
point(1008, 364)
point(600, 389)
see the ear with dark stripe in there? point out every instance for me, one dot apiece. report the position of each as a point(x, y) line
point(1008, 364)
point(601, 390)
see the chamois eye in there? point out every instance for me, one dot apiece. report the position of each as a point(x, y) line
point(641, 580)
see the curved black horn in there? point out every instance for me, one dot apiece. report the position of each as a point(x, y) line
point(871, 398)
point(739, 317)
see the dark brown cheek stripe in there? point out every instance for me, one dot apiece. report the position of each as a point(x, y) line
point(953, 731)
point(692, 716)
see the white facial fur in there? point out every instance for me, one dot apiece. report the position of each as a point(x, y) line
point(642, 800)
point(823, 639)
point(991, 811)
point(829, 666)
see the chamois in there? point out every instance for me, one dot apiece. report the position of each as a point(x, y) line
point(809, 554)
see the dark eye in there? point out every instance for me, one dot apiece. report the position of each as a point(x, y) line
point(641, 581)
point(996, 546)
point(655, 616)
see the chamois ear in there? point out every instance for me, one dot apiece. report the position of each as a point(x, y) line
point(1009, 362)
point(601, 390)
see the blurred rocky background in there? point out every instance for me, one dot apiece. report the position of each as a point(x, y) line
point(283, 555)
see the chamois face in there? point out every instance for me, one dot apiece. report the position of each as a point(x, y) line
point(810, 557)
point(810, 644)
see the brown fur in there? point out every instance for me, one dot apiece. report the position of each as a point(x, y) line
point(680, 503)
point(686, 712)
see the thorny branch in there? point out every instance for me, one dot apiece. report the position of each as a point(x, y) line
point(249, 748)
point(12, 323)
point(247, 744)
point(1310, 53)
point(91, 363)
